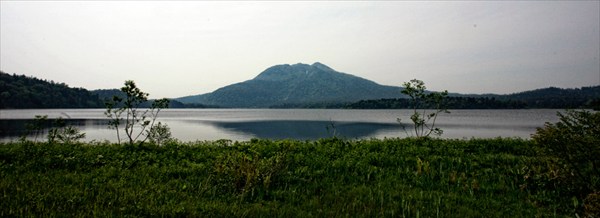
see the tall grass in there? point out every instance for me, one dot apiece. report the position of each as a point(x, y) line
point(284, 178)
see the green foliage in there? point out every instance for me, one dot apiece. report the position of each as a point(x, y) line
point(36, 127)
point(263, 178)
point(159, 134)
point(556, 97)
point(19, 91)
point(424, 122)
point(133, 119)
point(575, 141)
point(63, 133)
point(585, 97)
point(58, 130)
point(114, 115)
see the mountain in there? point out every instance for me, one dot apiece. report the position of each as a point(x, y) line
point(295, 84)
point(19, 91)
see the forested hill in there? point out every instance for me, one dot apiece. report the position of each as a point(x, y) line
point(556, 97)
point(19, 91)
point(450, 103)
point(585, 97)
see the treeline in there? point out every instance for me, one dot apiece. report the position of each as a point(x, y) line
point(585, 97)
point(19, 91)
point(107, 95)
point(450, 103)
point(316, 105)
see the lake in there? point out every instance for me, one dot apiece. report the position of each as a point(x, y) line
point(302, 124)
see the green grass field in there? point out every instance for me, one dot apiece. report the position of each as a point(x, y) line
point(285, 178)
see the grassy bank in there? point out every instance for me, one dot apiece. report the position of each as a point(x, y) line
point(264, 178)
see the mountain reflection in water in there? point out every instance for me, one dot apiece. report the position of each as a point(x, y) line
point(302, 124)
point(305, 130)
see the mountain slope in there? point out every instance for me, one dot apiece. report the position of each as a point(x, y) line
point(295, 84)
point(19, 91)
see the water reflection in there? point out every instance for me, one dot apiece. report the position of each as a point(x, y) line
point(16, 128)
point(305, 130)
point(244, 124)
point(188, 130)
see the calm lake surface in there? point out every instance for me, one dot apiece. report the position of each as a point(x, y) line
point(302, 124)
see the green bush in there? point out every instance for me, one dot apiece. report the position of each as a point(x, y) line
point(575, 142)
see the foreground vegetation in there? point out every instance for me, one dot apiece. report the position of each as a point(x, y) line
point(324, 178)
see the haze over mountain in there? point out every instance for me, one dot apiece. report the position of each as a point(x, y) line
point(295, 84)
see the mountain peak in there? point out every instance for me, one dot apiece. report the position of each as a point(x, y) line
point(286, 72)
point(322, 66)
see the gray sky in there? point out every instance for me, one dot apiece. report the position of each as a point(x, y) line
point(174, 49)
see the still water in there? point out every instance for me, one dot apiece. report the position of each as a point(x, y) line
point(302, 124)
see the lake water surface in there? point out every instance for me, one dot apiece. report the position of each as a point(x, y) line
point(303, 124)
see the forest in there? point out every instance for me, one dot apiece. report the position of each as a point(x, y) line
point(555, 98)
point(23, 92)
point(19, 91)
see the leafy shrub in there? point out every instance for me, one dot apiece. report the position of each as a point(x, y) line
point(58, 130)
point(159, 134)
point(575, 141)
point(63, 133)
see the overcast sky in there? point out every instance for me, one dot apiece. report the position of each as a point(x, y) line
point(174, 49)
